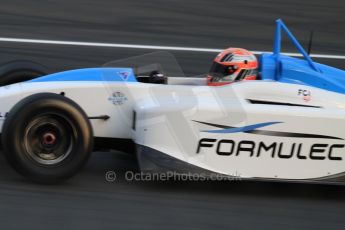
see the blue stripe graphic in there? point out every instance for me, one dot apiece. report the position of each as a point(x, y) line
point(242, 129)
point(91, 74)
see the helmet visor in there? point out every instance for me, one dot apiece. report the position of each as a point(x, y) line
point(219, 73)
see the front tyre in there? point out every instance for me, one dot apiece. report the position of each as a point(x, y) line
point(47, 138)
point(20, 71)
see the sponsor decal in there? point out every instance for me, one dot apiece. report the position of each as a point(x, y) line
point(118, 98)
point(124, 75)
point(274, 149)
point(229, 147)
point(306, 94)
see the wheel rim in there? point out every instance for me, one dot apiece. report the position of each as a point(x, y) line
point(49, 139)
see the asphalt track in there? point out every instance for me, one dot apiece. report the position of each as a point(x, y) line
point(88, 201)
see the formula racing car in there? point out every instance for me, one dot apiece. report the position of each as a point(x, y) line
point(288, 124)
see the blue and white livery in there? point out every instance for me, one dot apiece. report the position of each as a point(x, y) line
point(289, 125)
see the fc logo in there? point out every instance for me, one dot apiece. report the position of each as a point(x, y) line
point(306, 94)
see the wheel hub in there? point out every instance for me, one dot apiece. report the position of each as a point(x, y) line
point(48, 139)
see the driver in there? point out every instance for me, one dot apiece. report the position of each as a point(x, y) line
point(233, 64)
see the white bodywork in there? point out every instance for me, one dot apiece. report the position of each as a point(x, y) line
point(169, 119)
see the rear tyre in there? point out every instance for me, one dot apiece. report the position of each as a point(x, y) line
point(19, 71)
point(47, 138)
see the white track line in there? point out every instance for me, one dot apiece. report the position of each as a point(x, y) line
point(135, 46)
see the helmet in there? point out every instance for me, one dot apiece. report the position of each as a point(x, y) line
point(233, 64)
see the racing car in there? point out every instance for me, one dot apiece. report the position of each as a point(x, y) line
point(287, 125)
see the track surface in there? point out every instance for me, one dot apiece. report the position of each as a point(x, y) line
point(88, 201)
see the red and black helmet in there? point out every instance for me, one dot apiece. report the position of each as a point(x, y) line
point(233, 64)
